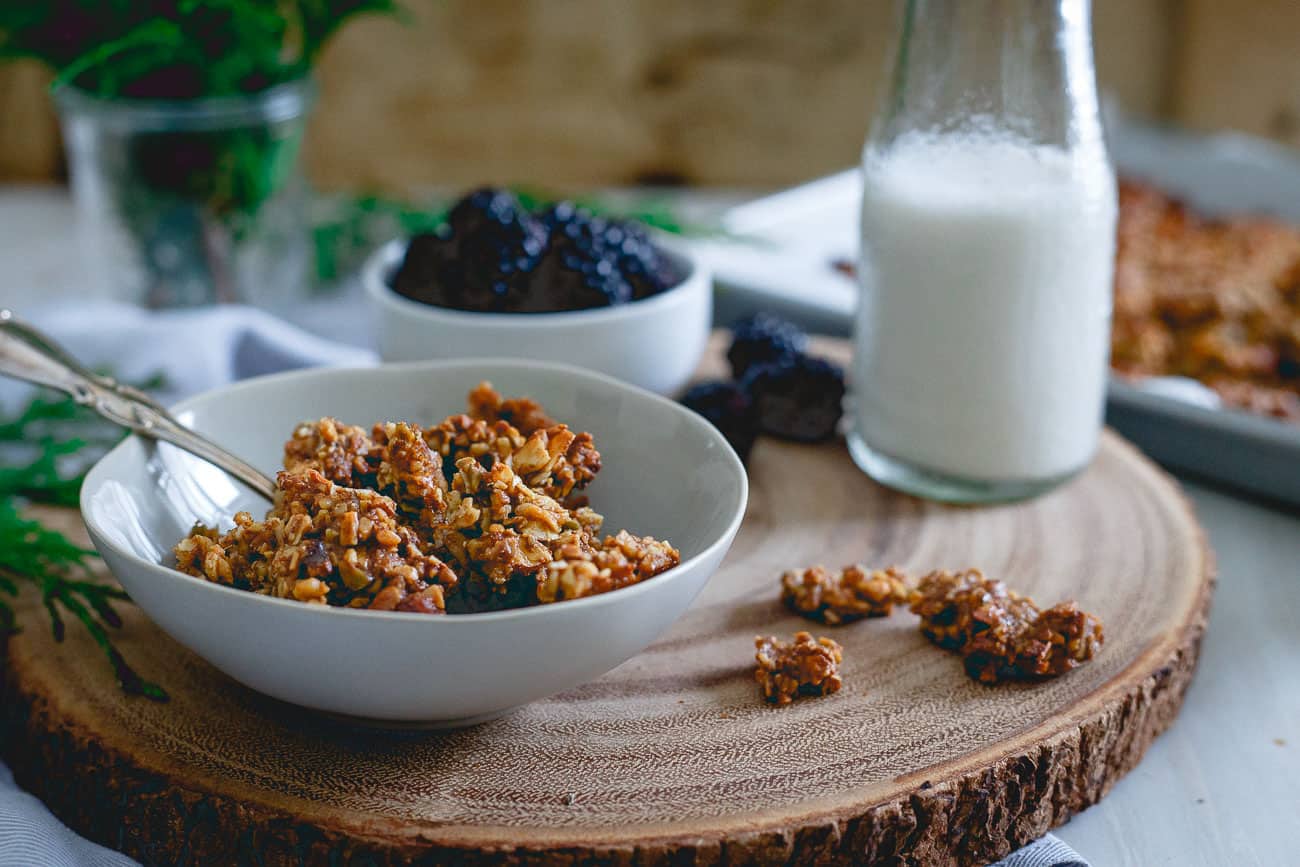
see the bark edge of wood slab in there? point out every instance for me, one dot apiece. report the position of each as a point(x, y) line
point(671, 758)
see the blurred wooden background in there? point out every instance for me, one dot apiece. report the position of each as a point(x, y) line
point(759, 93)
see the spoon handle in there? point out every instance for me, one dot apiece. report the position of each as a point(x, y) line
point(27, 354)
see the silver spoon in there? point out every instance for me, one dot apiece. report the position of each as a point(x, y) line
point(29, 355)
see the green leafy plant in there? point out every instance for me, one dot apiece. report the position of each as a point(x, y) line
point(195, 185)
point(48, 446)
point(186, 50)
point(176, 49)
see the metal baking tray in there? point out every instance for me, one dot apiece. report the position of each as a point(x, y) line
point(782, 264)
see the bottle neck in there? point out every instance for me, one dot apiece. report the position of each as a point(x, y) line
point(1013, 67)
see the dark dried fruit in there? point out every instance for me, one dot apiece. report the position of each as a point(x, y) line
point(761, 339)
point(315, 560)
point(797, 398)
point(729, 408)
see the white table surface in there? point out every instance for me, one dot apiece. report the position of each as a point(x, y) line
point(1221, 788)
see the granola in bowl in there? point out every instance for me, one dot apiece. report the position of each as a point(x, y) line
point(479, 512)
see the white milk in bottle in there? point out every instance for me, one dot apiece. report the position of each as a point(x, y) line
point(984, 323)
point(988, 245)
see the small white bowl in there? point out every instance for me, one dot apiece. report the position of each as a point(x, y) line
point(667, 473)
point(655, 343)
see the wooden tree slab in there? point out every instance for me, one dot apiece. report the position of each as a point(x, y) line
point(671, 758)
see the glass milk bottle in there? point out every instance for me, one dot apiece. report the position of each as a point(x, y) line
point(988, 244)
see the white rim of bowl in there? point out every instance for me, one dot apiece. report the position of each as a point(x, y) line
point(374, 276)
point(598, 600)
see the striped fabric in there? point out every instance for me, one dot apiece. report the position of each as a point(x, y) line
point(1048, 851)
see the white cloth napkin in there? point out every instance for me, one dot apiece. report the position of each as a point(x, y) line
point(196, 351)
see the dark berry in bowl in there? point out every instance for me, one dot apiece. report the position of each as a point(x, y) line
point(797, 398)
point(762, 339)
point(484, 210)
point(580, 267)
point(645, 267)
point(493, 255)
point(424, 269)
point(482, 260)
point(498, 245)
point(729, 408)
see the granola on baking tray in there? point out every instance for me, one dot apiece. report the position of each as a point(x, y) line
point(806, 666)
point(839, 597)
point(1214, 300)
point(1000, 634)
point(481, 511)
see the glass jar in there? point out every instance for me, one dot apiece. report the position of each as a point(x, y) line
point(988, 245)
point(192, 202)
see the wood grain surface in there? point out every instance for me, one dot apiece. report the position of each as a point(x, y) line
point(671, 758)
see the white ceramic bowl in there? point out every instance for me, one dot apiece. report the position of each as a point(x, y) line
point(655, 343)
point(667, 473)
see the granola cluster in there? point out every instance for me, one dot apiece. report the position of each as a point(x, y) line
point(1217, 301)
point(323, 543)
point(479, 512)
point(619, 561)
point(552, 459)
point(841, 597)
point(523, 413)
point(805, 666)
point(1001, 634)
point(343, 453)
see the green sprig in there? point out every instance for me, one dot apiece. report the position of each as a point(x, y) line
point(65, 438)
